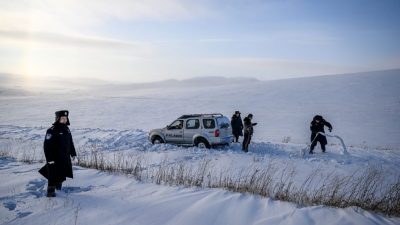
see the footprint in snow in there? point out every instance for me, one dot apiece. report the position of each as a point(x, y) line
point(36, 187)
point(69, 190)
point(313, 159)
point(10, 205)
point(23, 214)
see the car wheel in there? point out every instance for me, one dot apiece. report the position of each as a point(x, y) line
point(157, 140)
point(202, 143)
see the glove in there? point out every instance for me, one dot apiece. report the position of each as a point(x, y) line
point(330, 129)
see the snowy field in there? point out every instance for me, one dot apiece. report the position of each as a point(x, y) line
point(363, 108)
point(99, 198)
point(113, 121)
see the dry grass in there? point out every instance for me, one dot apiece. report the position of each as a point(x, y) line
point(368, 188)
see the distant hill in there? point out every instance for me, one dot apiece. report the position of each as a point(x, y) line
point(363, 108)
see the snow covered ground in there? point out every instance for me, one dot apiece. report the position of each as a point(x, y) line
point(363, 108)
point(114, 120)
point(95, 197)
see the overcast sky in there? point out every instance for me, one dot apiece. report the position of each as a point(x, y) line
point(140, 41)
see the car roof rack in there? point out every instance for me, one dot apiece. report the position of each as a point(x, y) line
point(197, 115)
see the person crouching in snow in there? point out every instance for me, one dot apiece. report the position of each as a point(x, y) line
point(58, 149)
point(317, 125)
point(248, 132)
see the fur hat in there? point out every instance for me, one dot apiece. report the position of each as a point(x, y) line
point(318, 117)
point(61, 113)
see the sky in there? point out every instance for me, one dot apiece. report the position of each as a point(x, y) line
point(152, 40)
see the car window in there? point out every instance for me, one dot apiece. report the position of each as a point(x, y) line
point(177, 124)
point(208, 123)
point(192, 124)
point(223, 122)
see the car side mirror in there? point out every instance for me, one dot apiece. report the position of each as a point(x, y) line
point(168, 127)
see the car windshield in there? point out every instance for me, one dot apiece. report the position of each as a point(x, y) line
point(178, 124)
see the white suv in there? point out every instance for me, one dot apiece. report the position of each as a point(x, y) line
point(201, 130)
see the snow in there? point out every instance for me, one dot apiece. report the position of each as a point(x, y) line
point(114, 121)
point(363, 108)
point(95, 197)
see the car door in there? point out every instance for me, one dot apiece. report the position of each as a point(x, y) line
point(192, 127)
point(209, 126)
point(174, 132)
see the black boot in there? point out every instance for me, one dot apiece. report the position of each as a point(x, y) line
point(312, 149)
point(51, 191)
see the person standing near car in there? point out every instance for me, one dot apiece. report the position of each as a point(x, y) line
point(237, 126)
point(316, 126)
point(248, 132)
point(58, 149)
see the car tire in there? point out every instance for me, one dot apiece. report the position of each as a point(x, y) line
point(157, 140)
point(202, 143)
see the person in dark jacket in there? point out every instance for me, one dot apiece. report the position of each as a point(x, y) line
point(317, 125)
point(248, 132)
point(237, 126)
point(58, 149)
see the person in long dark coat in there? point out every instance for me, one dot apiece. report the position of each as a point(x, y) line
point(248, 132)
point(58, 149)
point(316, 126)
point(237, 126)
